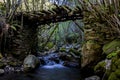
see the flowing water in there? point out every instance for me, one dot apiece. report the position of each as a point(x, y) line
point(50, 71)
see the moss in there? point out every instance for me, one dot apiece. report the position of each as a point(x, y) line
point(13, 63)
point(74, 51)
point(113, 76)
point(2, 7)
point(72, 38)
point(114, 63)
point(62, 49)
point(118, 52)
point(113, 54)
point(117, 72)
point(100, 66)
point(1, 56)
point(49, 45)
point(2, 65)
point(91, 44)
point(113, 67)
point(112, 46)
point(117, 63)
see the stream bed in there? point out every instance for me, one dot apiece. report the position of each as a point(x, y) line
point(52, 69)
point(52, 72)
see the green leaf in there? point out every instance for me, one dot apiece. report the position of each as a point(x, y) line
point(13, 27)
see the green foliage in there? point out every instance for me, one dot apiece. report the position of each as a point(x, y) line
point(13, 27)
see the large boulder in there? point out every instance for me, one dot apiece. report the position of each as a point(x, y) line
point(91, 52)
point(30, 62)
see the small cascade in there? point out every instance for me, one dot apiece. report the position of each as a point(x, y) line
point(52, 61)
point(108, 64)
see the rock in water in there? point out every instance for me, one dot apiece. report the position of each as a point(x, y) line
point(30, 62)
point(93, 78)
point(2, 71)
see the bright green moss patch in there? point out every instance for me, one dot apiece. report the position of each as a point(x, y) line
point(112, 46)
point(113, 54)
point(100, 66)
point(49, 45)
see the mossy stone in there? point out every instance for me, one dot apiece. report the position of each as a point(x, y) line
point(117, 62)
point(2, 7)
point(2, 64)
point(92, 45)
point(100, 66)
point(1, 56)
point(112, 46)
point(113, 67)
point(118, 53)
point(109, 56)
point(14, 64)
point(49, 45)
point(117, 72)
point(62, 49)
point(113, 76)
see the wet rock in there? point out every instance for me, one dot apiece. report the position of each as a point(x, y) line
point(65, 57)
point(30, 62)
point(93, 78)
point(91, 52)
point(2, 71)
point(71, 64)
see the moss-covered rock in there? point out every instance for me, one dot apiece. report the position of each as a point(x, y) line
point(2, 7)
point(49, 45)
point(2, 65)
point(117, 73)
point(113, 54)
point(112, 46)
point(100, 66)
point(113, 76)
point(1, 56)
point(62, 49)
point(91, 51)
point(14, 64)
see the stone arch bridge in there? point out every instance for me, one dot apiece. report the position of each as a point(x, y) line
point(24, 39)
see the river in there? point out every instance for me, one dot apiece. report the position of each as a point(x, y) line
point(52, 72)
